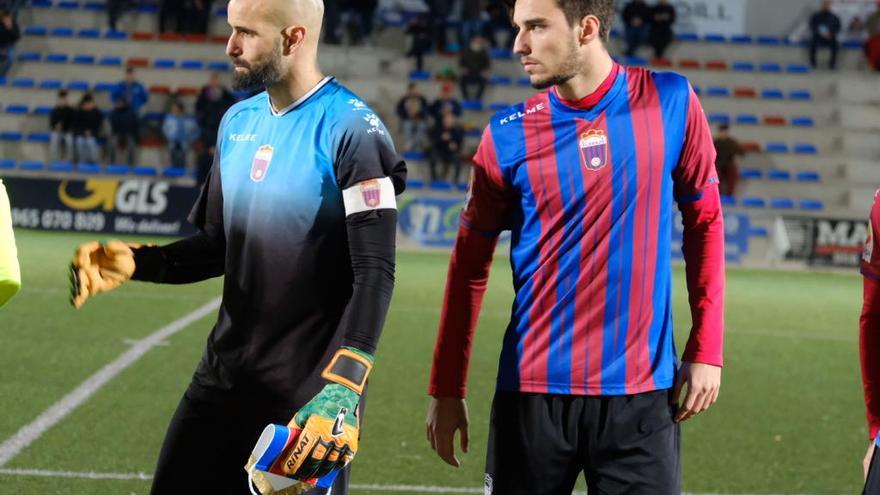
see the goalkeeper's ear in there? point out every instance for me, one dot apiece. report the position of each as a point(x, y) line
point(350, 367)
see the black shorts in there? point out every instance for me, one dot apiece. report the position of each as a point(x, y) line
point(208, 443)
point(539, 444)
point(872, 484)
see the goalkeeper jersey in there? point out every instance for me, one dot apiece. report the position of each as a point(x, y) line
point(275, 195)
point(10, 276)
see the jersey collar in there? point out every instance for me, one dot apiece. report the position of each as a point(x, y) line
point(300, 101)
point(592, 99)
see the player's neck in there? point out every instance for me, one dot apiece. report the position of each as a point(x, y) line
point(587, 82)
point(298, 85)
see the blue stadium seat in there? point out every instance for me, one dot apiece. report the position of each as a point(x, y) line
point(500, 81)
point(219, 66)
point(116, 169)
point(413, 156)
point(23, 82)
point(3, 81)
point(42, 110)
point(67, 5)
point(84, 59)
point(145, 171)
point(758, 231)
point(751, 173)
point(32, 165)
point(687, 37)
point(808, 176)
point(800, 94)
point(78, 85)
point(747, 119)
point(770, 67)
point(769, 40)
point(104, 87)
point(635, 61)
point(501, 54)
point(473, 105)
point(57, 58)
point(743, 66)
point(728, 200)
point(116, 35)
point(473, 133)
point(416, 75)
point(781, 203)
point(779, 175)
point(97, 6)
point(18, 109)
point(797, 68)
point(110, 61)
point(43, 4)
point(774, 147)
point(157, 117)
point(753, 202)
point(62, 32)
point(742, 39)
point(51, 84)
point(524, 81)
point(174, 172)
point(803, 122)
point(715, 38)
point(61, 167)
point(39, 137)
point(89, 168)
point(410, 184)
point(35, 30)
point(719, 118)
point(11, 136)
point(498, 106)
point(440, 185)
point(148, 8)
point(811, 204)
point(772, 94)
point(718, 91)
point(192, 64)
point(164, 63)
point(852, 44)
point(806, 149)
point(29, 57)
point(6, 164)
point(89, 33)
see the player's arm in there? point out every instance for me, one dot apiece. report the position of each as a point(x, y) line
point(869, 330)
point(370, 174)
point(696, 188)
point(102, 267)
point(485, 215)
point(10, 274)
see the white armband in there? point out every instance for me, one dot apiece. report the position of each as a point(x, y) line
point(373, 194)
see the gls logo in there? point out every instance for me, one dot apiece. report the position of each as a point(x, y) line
point(243, 138)
point(130, 196)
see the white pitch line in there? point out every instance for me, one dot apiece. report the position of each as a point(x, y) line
point(50, 417)
point(360, 487)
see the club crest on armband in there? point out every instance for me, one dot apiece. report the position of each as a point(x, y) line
point(371, 191)
point(594, 149)
point(260, 165)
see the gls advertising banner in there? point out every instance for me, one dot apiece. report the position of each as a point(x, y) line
point(101, 205)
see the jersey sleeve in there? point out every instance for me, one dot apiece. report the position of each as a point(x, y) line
point(696, 166)
point(488, 204)
point(869, 323)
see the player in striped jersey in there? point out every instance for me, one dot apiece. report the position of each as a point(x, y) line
point(869, 345)
point(584, 175)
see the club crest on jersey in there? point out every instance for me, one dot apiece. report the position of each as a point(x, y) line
point(594, 149)
point(260, 165)
point(371, 192)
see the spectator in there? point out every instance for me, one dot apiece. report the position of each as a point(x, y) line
point(86, 128)
point(471, 21)
point(439, 11)
point(419, 32)
point(872, 22)
point(824, 27)
point(413, 98)
point(115, 9)
point(361, 20)
point(9, 36)
point(213, 101)
point(445, 103)
point(446, 148)
point(872, 44)
point(728, 150)
point(170, 11)
point(180, 131)
point(61, 122)
point(332, 16)
point(475, 63)
point(13, 6)
point(131, 91)
point(662, 19)
point(499, 20)
point(636, 24)
point(124, 131)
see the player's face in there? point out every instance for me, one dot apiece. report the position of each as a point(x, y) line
point(254, 46)
point(546, 43)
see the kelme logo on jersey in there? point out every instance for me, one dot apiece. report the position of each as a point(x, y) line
point(262, 160)
point(594, 149)
point(371, 192)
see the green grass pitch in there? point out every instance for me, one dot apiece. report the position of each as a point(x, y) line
point(790, 417)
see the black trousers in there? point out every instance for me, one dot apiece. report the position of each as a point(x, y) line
point(208, 444)
point(832, 45)
point(539, 444)
point(872, 484)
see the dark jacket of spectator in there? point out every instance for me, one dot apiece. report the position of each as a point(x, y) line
point(636, 10)
point(123, 121)
point(64, 116)
point(447, 141)
point(402, 105)
point(212, 104)
point(662, 18)
point(9, 32)
point(825, 21)
point(88, 120)
point(475, 62)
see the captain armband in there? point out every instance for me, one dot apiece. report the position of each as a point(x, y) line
point(372, 194)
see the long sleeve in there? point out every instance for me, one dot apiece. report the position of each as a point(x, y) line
point(869, 323)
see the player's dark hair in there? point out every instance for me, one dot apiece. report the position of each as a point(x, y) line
point(575, 10)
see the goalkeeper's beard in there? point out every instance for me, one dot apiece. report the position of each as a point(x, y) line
point(259, 75)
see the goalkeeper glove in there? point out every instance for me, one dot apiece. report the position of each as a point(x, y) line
point(99, 267)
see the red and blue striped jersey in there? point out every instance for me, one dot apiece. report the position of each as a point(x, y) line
point(587, 190)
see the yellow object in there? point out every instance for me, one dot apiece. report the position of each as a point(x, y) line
point(263, 483)
point(99, 268)
point(356, 384)
point(322, 439)
point(10, 273)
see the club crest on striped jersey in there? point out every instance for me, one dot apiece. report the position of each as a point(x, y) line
point(260, 165)
point(371, 191)
point(594, 149)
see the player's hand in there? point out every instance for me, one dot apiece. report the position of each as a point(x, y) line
point(445, 416)
point(99, 267)
point(703, 384)
point(866, 462)
point(329, 423)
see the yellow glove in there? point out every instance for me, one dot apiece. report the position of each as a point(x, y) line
point(99, 267)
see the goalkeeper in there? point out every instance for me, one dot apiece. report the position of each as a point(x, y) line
point(10, 277)
point(299, 216)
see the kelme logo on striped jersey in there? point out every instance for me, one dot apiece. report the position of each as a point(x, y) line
point(594, 149)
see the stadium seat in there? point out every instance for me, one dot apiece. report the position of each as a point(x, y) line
point(728, 200)
point(661, 62)
point(769, 40)
point(687, 37)
point(116, 35)
point(84, 59)
point(500, 81)
point(717, 65)
point(852, 44)
point(803, 122)
point(759, 231)
point(29, 57)
point(811, 204)
point(164, 63)
point(500, 54)
point(743, 67)
point(11, 136)
point(797, 68)
point(43, 4)
point(6, 164)
point(745, 93)
point(689, 63)
point(751, 173)
point(808, 176)
point(192, 64)
point(742, 40)
point(473, 105)
point(779, 175)
point(781, 203)
point(717, 91)
point(170, 37)
point(154, 117)
point(39, 137)
point(35, 30)
point(104, 87)
point(148, 8)
point(753, 202)
point(187, 91)
point(195, 38)
point(62, 32)
point(17, 109)
point(774, 120)
point(473, 133)
point(410, 184)
point(714, 38)
point(110, 61)
point(61, 167)
point(67, 5)
point(42, 110)
point(420, 75)
point(440, 185)
point(806, 149)
point(57, 58)
point(89, 33)
point(88, 168)
point(719, 118)
point(746, 119)
point(51, 84)
point(145, 171)
point(751, 147)
point(498, 106)
point(138, 62)
point(174, 172)
point(635, 61)
point(774, 147)
point(697, 90)
point(219, 66)
point(78, 85)
point(770, 67)
point(116, 169)
point(143, 36)
point(32, 165)
point(800, 94)
point(96, 6)
point(414, 156)
point(772, 94)
point(159, 89)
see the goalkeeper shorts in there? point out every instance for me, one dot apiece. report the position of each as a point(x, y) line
point(539, 444)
